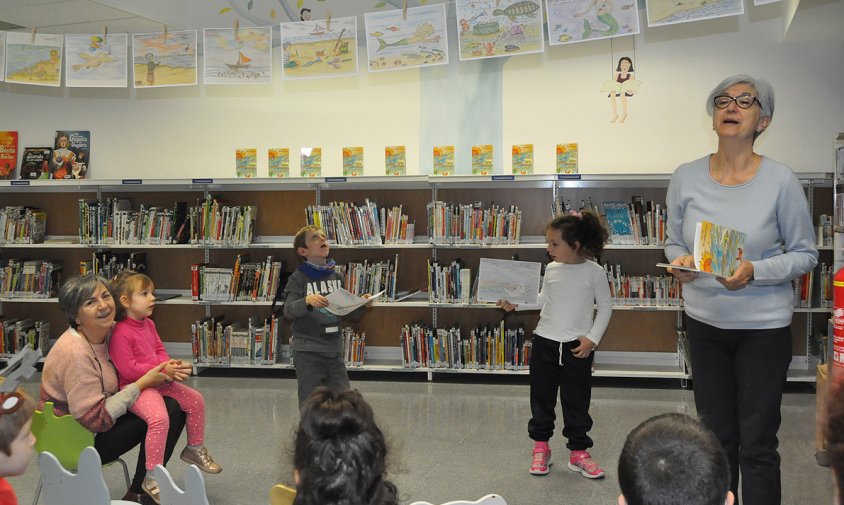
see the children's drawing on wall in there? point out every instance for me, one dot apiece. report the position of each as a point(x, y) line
point(493, 28)
point(578, 20)
point(36, 61)
point(621, 88)
point(319, 48)
point(397, 40)
point(666, 12)
point(96, 60)
point(164, 59)
point(242, 56)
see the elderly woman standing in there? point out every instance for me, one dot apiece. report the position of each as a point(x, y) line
point(80, 380)
point(739, 327)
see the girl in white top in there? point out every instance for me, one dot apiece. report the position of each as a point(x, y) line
point(566, 335)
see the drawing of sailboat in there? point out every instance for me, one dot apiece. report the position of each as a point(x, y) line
point(318, 30)
point(242, 62)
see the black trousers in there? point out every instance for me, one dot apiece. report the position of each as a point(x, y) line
point(553, 370)
point(130, 430)
point(739, 377)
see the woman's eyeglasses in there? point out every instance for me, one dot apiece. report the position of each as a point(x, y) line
point(743, 101)
point(10, 403)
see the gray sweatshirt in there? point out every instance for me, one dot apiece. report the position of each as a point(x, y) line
point(772, 210)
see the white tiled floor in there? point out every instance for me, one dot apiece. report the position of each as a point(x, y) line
point(451, 440)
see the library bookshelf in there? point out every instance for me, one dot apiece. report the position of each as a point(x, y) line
point(641, 341)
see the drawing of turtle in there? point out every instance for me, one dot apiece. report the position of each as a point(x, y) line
point(522, 8)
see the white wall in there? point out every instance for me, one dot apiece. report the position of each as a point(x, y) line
point(545, 99)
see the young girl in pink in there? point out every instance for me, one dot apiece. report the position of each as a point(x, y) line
point(135, 347)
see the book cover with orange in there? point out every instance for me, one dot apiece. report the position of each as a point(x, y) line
point(8, 154)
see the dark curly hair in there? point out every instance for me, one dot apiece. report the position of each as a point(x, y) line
point(340, 453)
point(586, 228)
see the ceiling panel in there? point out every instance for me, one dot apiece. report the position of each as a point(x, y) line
point(59, 13)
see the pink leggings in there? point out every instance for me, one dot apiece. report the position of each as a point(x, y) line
point(150, 407)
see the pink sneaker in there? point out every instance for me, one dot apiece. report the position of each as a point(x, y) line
point(581, 461)
point(541, 459)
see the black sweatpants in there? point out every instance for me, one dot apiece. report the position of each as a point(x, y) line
point(554, 368)
point(739, 376)
point(130, 430)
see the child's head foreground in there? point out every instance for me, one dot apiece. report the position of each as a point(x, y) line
point(311, 244)
point(575, 236)
point(133, 293)
point(340, 454)
point(16, 439)
point(671, 459)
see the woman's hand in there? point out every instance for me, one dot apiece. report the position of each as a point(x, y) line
point(740, 278)
point(316, 300)
point(684, 261)
point(507, 306)
point(584, 349)
point(177, 370)
point(155, 377)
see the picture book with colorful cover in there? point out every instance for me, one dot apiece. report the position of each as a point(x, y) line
point(395, 160)
point(482, 159)
point(352, 161)
point(522, 159)
point(8, 154)
point(566, 158)
point(71, 157)
point(718, 250)
point(278, 162)
point(311, 161)
point(443, 160)
point(35, 163)
point(246, 163)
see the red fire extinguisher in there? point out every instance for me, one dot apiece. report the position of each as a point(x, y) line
point(837, 370)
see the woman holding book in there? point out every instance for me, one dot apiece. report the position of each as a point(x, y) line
point(739, 326)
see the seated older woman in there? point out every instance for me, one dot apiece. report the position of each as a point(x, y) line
point(80, 380)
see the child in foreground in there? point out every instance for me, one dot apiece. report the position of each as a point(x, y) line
point(16, 440)
point(563, 341)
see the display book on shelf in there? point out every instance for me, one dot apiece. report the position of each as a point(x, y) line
point(629, 291)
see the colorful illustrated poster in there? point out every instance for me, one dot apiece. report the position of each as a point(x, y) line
point(311, 162)
point(352, 161)
point(578, 20)
point(246, 163)
point(8, 154)
point(443, 160)
point(242, 56)
point(2, 56)
point(313, 49)
point(417, 40)
point(278, 162)
point(566, 158)
point(522, 159)
point(502, 28)
point(38, 63)
point(164, 59)
point(482, 159)
point(395, 160)
point(718, 249)
point(667, 12)
point(71, 156)
point(96, 61)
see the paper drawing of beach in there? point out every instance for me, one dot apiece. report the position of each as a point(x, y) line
point(493, 28)
point(164, 59)
point(97, 60)
point(38, 63)
point(316, 48)
point(666, 12)
point(572, 21)
point(394, 41)
point(242, 56)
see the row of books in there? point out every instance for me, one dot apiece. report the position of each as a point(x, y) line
point(29, 278)
point(347, 223)
point(16, 333)
point(354, 347)
point(217, 341)
point(450, 283)
point(246, 281)
point(211, 223)
point(110, 263)
point(643, 290)
point(472, 224)
point(22, 225)
point(825, 229)
point(362, 278)
point(637, 223)
point(814, 288)
point(113, 221)
point(484, 348)
point(396, 227)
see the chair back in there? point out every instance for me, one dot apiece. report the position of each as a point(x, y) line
point(490, 499)
point(169, 492)
point(86, 487)
point(282, 495)
point(62, 436)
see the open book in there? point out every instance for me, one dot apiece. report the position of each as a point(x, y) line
point(341, 302)
point(718, 250)
point(630, 85)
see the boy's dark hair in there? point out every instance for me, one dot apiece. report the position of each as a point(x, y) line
point(301, 239)
point(673, 459)
point(340, 453)
point(585, 228)
point(835, 434)
point(12, 423)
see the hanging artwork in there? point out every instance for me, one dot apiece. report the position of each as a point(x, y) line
point(34, 59)
point(666, 12)
point(242, 56)
point(164, 59)
point(488, 29)
point(2, 56)
point(764, 2)
point(623, 86)
point(405, 39)
point(96, 61)
point(321, 48)
point(578, 20)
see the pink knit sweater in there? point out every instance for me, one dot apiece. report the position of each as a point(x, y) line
point(135, 348)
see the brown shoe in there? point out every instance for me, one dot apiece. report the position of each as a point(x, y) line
point(150, 487)
point(201, 459)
